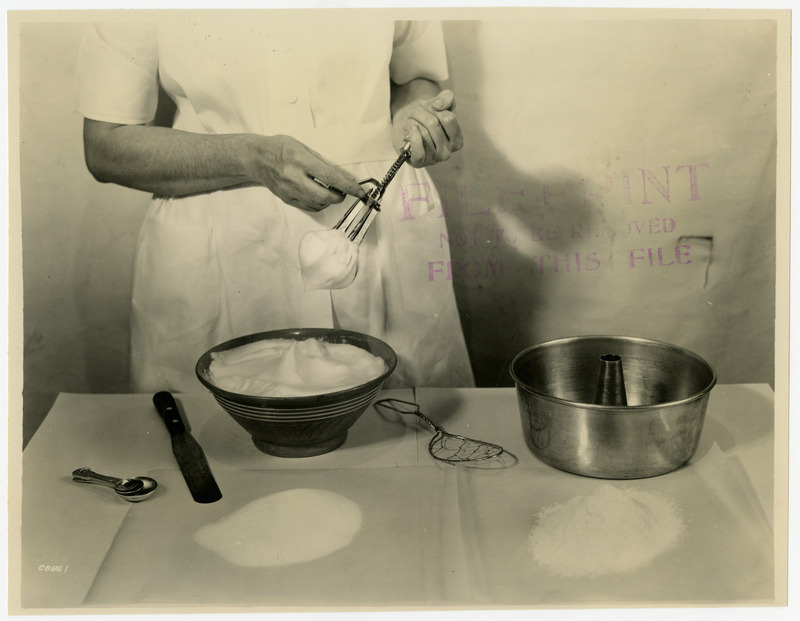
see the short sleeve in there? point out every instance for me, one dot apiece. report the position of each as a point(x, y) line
point(116, 78)
point(419, 52)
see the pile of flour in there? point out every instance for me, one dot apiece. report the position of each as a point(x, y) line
point(293, 526)
point(613, 530)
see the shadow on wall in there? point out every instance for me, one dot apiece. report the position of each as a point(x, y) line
point(578, 206)
point(498, 228)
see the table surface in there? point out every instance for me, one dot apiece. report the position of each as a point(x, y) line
point(449, 526)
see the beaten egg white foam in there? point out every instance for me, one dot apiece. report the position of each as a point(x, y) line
point(291, 368)
point(328, 260)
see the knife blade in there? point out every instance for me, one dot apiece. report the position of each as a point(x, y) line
point(187, 451)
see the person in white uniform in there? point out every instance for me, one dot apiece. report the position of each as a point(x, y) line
point(278, 116)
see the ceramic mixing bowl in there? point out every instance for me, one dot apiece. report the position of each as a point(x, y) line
point(307, 425)
point(612, 407)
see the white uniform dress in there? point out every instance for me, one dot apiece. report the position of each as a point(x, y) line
point(215, 266)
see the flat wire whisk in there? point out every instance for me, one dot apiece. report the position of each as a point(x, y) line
point(447, 447)
point(356, 222)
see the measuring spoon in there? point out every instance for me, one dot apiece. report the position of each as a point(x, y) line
point(134, 489)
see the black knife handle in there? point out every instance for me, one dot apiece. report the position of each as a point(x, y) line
point(168, 409)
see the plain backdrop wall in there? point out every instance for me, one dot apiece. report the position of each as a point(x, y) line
point(618, 178)
point(78, 236)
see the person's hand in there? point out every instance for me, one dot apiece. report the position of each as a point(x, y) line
point(299, 176)
point(432, 128)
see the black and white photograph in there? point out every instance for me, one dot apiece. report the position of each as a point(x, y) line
point(344, 308)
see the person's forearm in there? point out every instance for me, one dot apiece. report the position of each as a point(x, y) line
point(166, 161)
point(171, 162)
point(412, 91)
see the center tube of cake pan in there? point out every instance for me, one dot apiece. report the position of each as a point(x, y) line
point(610, 382)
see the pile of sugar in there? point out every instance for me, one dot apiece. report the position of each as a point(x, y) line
point(613, 530)
point(292, 368)
point(328, 260)
point(293, 526)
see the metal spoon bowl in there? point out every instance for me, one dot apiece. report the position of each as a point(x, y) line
point(133, 489)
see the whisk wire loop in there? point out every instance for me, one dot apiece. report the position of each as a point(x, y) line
point(447, 447)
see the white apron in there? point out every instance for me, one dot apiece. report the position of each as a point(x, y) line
point(224, 264)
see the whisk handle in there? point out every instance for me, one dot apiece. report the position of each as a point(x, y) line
point(405, 155)
point(395, 404)
point(431, 424)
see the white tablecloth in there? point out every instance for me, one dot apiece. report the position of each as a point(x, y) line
point(439, 535)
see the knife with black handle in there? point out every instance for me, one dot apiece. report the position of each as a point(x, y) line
point(187, 451)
